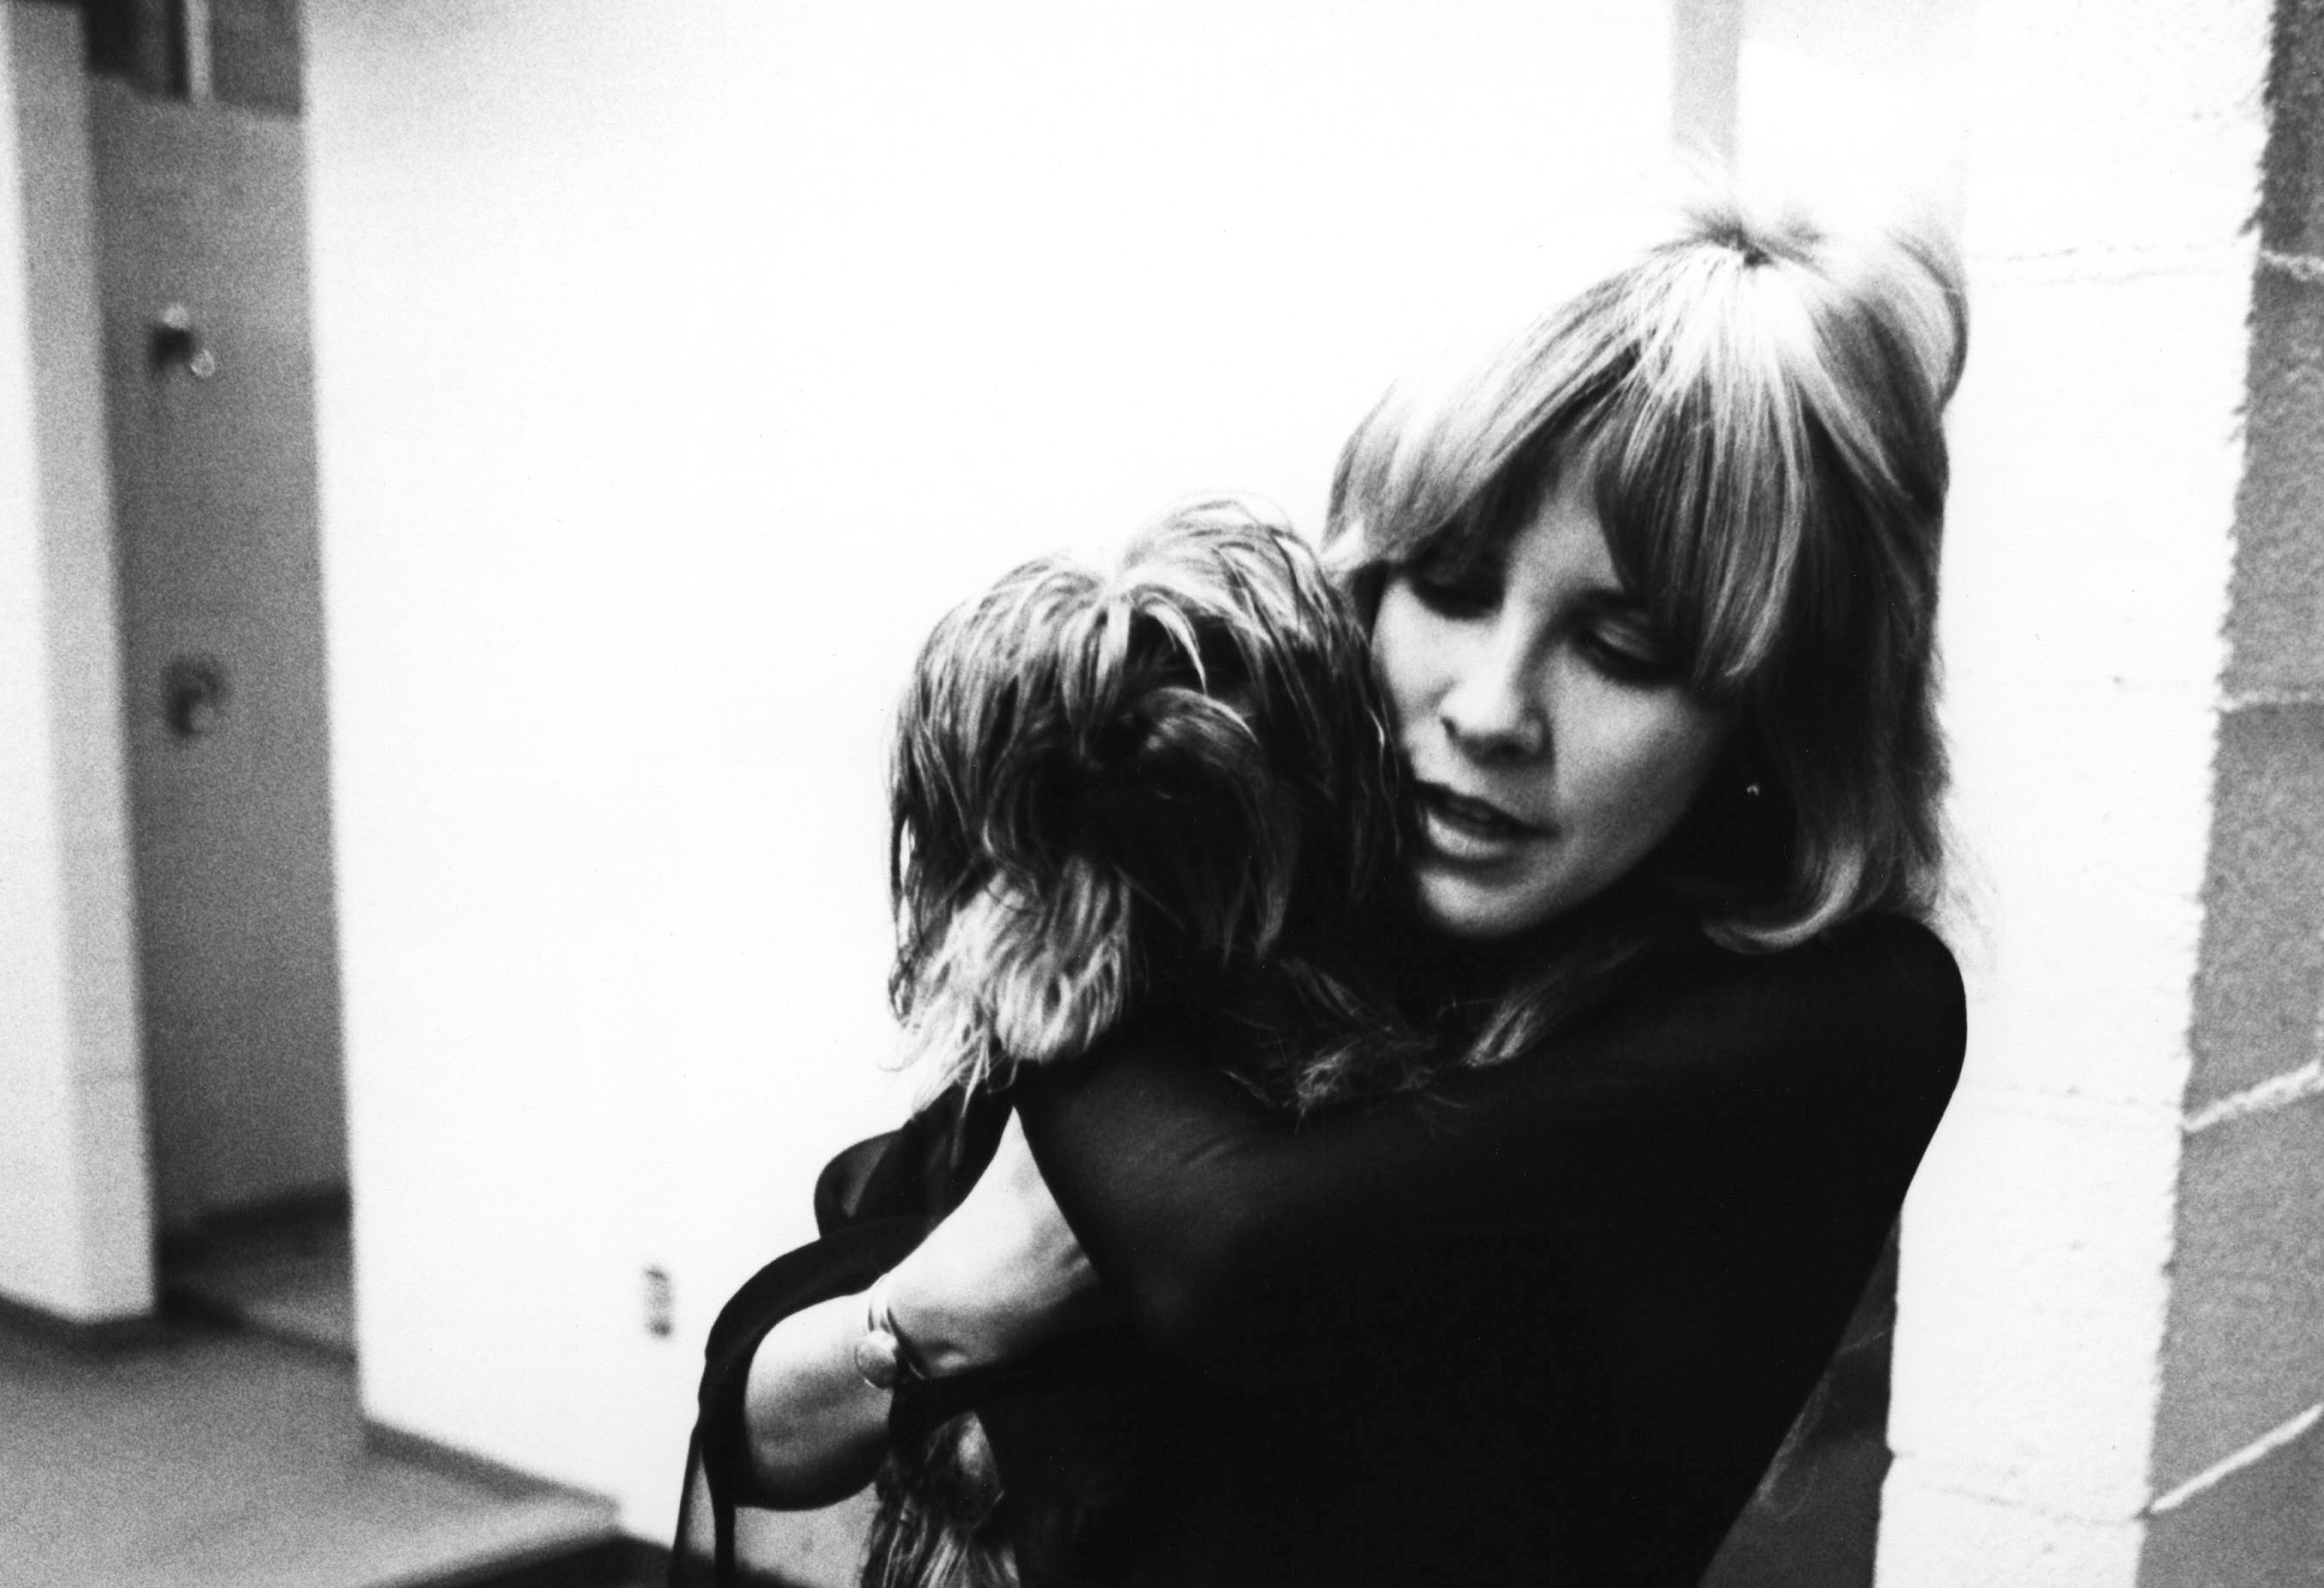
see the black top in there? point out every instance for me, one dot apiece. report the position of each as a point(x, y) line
point(1546, 1324)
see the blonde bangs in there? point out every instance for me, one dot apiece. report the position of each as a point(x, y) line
point(1703, 463)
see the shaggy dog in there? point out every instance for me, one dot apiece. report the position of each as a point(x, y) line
point(1164, 785)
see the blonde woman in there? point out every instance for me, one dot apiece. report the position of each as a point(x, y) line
point(1651, 600)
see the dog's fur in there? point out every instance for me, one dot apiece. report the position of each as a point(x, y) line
point(1169, 783)
point(1115, 785)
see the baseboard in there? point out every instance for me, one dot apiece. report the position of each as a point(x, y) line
point(615, 1563)
point(510, 1483)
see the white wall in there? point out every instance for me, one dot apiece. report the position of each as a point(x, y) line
point(74, 1215)
point(676, 367)
point(1858, 104)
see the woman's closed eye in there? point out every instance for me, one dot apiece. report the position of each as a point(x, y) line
point(1472, 591)
point(1625, 652)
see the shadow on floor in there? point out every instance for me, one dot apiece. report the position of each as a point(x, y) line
point(285, 1270)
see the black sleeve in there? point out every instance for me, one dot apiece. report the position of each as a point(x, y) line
point(839, 1264)
point(873, 1203)
point(718, 1470)
point(1255, 1246)
point(921, 1170)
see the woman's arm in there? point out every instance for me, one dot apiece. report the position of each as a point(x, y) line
point(1757, 1089)
point(757, 1448)
point(817, 1428)
point(999, 1275)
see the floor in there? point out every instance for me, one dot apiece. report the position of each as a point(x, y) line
point(226, 1449)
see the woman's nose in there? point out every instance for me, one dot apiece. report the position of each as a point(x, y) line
point(1492, 711)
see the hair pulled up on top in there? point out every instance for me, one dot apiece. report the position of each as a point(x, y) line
point(1171, 776)
point(1756, 406)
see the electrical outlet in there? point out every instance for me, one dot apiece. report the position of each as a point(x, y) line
point(661, 1306)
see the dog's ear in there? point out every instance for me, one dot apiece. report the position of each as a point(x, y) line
point(1193, 819)
point(1061, 971)
point(1021, 978)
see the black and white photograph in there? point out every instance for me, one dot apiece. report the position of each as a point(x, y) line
point(1161, 793)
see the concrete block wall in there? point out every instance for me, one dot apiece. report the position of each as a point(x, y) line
point(2111, 1357)
point(2278, 584)
point(2238, 1458)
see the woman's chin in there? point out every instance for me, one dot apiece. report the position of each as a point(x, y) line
point(1455, 901)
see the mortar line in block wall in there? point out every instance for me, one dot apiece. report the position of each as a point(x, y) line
point(2261, 699)
point(2276, 1092)
point(2307, 269)
point(2083, 264)
point(2258, 1450)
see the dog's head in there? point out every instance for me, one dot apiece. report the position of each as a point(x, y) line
point(1108, 777)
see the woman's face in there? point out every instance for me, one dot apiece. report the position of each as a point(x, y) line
point(1551, 744)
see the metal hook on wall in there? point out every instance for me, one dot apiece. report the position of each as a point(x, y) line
point(171, 341)
point(194, 695)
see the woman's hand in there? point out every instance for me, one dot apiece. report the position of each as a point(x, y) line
point(1000, 1275)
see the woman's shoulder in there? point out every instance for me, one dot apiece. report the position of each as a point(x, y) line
point(1869, 1014)
point(1878, 1000)
point(1895, 963)
point(1880, 959)
point(1893, 955)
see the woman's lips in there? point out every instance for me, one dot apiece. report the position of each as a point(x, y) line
point(1463, 828)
